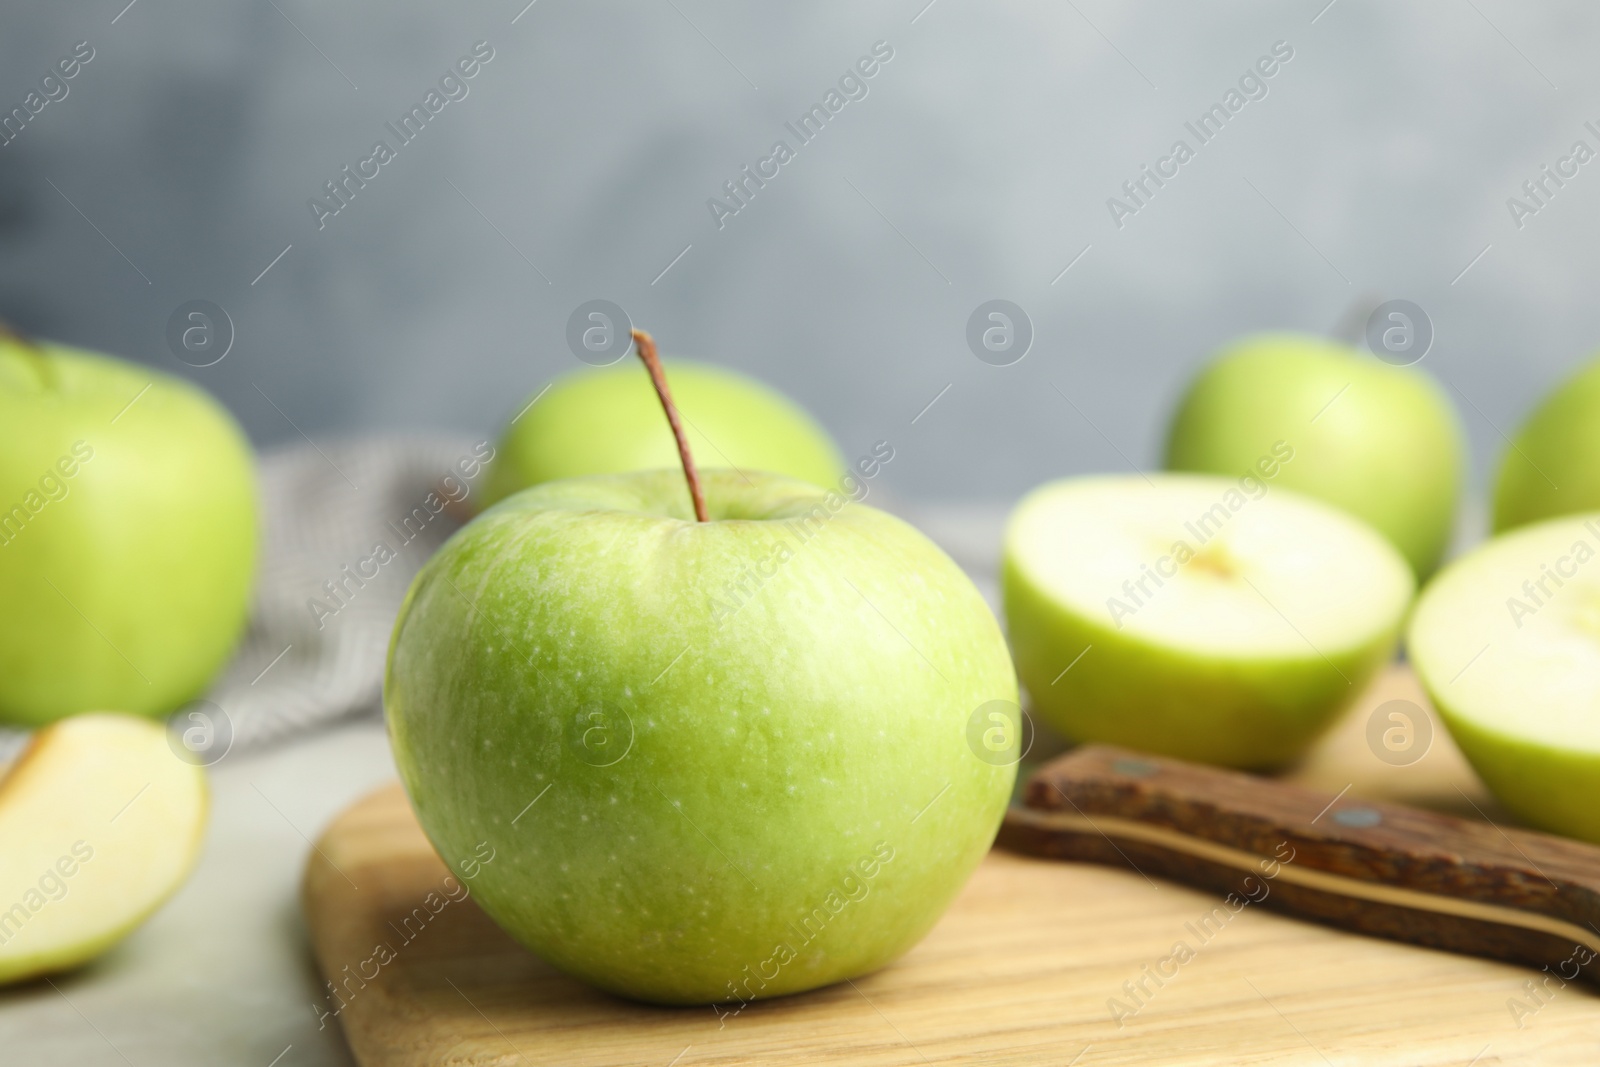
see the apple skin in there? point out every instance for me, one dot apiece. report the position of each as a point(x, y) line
point(1249, 715)
point(1559, 443)
point(1253, 708)
point(608, 421)
point(777, 754)
point(1546, 787)
point(151, 551)
point(1390, 450)
point(1545, 784)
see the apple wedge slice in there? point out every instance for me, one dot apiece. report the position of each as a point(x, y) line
point(1507, 642)
point(1208, 618)
point(99, 823)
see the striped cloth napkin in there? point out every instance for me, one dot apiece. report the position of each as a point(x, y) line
point(346, 527)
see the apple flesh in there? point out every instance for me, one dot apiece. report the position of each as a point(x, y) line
point(1506, 641)
point(1195, 616)
point(1553, 465)
point(127, 529)
point(1379, 441)
point(99, 824)
point(608, 421)
point(714, 761)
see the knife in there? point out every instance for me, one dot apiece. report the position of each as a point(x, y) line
point(1380, 869)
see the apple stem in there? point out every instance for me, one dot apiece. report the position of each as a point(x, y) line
point(647, 352)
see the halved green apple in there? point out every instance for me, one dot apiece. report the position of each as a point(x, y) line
point(99, 823)
point(1209, 618)
point(1507, 643)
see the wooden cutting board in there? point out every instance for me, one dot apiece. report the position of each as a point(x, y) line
point(1022, 970)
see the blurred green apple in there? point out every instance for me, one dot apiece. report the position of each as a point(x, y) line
point(1380, 441)
point(1221, 620)
point(608, 420)
point(1507, 642)
point(127, 535)
point(1553, 465)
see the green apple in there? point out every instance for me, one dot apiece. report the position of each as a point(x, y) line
point(1553, 465)
point(99, 824)
point(1506, 641)
point(715, 760)
point(1206, 618)
point(1380, 441)
point(607, 421)
point(127, 529)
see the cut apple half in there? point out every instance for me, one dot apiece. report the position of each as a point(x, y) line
point(1507, 643)
point(1208, 618)
point(99, 823)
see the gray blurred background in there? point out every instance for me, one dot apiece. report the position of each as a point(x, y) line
point(978, 166)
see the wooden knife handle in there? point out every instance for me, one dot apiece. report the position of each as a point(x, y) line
point(1379, 869)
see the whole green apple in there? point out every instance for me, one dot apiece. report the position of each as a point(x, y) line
point(127, 535)
point(1221, 620)
point(717, 760)
point(608, 420)
point(1553, 465)
point(1506, 641)
point(1380, 441)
